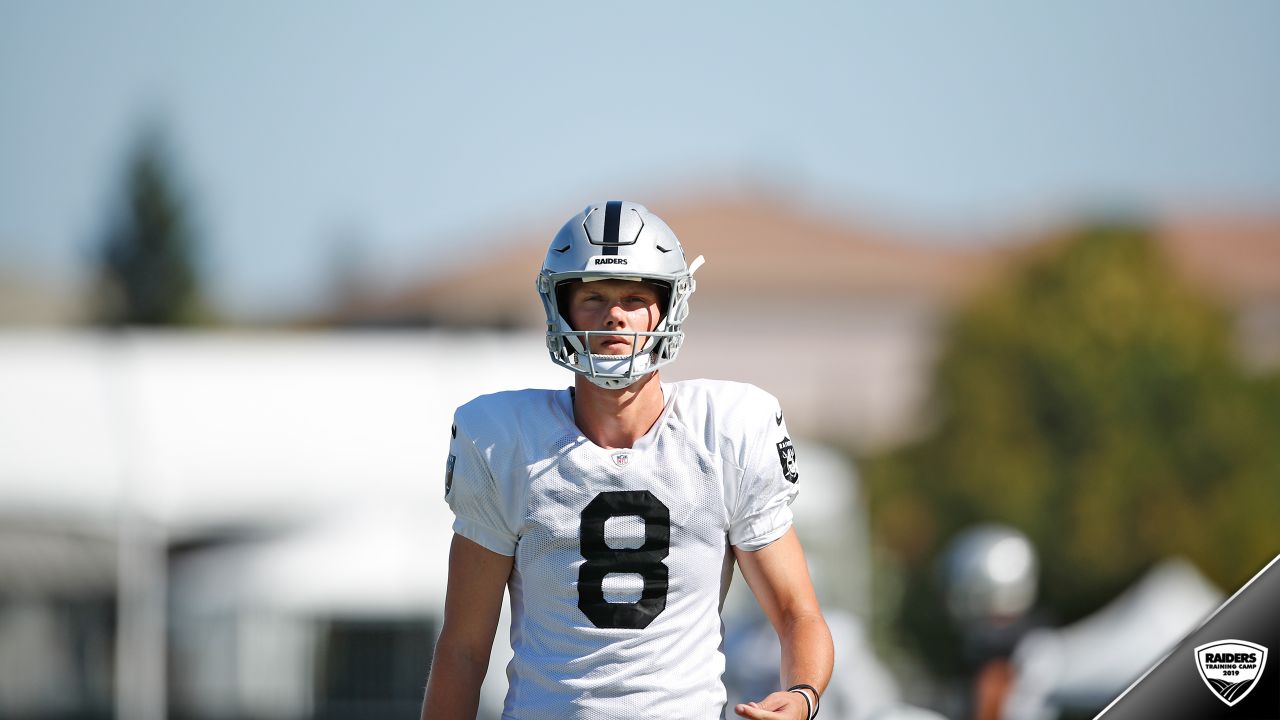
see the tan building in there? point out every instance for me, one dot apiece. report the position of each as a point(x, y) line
point(841, 322)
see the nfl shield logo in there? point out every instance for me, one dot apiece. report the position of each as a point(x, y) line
point(1230, 667)
point(621, 459)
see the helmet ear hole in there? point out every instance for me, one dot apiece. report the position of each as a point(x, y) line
point(563, 291)
point(664, 298)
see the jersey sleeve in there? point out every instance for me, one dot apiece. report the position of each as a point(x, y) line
point(473, 495)
point(767, 486)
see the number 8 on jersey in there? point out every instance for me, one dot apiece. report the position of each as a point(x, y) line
point(602, 560)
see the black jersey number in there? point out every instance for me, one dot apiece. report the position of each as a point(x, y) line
point(646, 560)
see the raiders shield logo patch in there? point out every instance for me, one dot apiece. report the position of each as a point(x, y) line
point(448, 474)
point(1230, 667)
point(787, 456)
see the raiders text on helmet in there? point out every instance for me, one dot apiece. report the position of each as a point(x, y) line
point(616, 240)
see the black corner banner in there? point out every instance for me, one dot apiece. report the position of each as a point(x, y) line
point(1229, 667)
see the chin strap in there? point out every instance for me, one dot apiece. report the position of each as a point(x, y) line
point(611, 370)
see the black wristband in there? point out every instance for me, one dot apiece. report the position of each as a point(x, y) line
point(801, 686)
point(808, 706)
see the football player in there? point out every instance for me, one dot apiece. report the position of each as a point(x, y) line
point(612, 512)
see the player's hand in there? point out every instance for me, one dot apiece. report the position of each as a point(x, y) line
point(783, 705)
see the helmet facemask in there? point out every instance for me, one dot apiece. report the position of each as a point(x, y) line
point(650, 350)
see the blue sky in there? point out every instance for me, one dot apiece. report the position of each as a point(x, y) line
point(416, 130)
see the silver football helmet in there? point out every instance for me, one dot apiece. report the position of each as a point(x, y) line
point(990, 573)
point(616, 240)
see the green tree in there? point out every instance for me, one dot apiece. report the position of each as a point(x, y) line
point(147, 268)
point(1093, 401)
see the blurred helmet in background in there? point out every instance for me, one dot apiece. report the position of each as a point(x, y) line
point(989, 575)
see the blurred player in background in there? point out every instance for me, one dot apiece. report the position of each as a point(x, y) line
point(613, 511)
point(990, 575)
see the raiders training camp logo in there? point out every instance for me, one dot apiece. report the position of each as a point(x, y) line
point(1230, 667)
point(787, 455)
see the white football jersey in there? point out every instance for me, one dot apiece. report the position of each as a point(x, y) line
point(621, 557)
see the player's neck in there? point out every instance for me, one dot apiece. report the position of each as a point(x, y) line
point(617, 418)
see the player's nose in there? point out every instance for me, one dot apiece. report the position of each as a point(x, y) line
point(616, 317)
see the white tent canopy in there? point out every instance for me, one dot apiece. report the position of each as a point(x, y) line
point(1059, 668)
point(191, 430)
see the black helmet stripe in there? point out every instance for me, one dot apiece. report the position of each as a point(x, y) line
point(612, 218)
